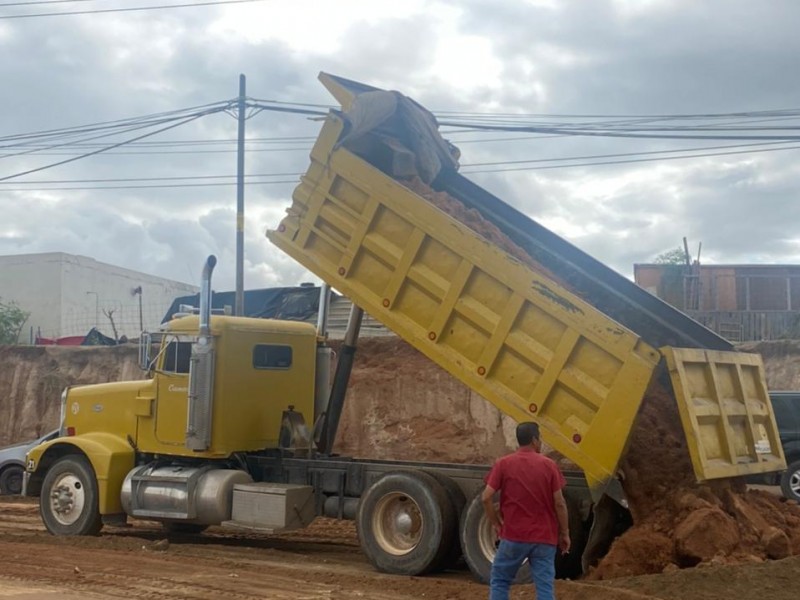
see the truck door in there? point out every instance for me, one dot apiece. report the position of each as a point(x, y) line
point(173, 391)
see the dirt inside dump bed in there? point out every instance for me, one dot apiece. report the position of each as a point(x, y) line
point(678, 523)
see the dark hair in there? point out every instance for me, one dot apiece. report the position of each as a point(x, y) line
point(527, 432)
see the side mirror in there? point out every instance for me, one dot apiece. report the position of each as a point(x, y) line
point(145, 346)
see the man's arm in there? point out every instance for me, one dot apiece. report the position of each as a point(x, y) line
point(487, 497)
point(563, 521)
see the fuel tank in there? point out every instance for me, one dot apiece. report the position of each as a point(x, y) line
point(176, 492)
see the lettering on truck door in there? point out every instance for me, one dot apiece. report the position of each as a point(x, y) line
point(173, 392)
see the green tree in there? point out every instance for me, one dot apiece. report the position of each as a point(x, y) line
point(676, 256)
point(12, 319)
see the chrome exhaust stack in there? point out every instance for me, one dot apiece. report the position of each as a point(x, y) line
point(205, 296)
point(201, 371)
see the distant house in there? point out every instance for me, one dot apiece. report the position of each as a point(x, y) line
point(68, 296)
point(740, 302)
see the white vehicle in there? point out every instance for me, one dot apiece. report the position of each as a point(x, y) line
point(12, 463)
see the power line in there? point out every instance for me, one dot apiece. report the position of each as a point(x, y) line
point(132, 127)
point(623, 134)
point(622, 162)
point(128, 9)
point(78, 129)
point(33, 2)
point(173, 178)
point(782, 112)
point(137, 187)
point(182, 121)
point(116, 152)
point(625, 154)
point(287, 109)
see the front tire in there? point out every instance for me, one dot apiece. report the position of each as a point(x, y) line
point(790, 482)
point(69, 498)
point(406, 523)
point(11, 480)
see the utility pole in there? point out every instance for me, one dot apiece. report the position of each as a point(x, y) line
point(239, 304)
point(137, 291)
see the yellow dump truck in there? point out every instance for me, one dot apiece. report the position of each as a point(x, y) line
point(221, 433)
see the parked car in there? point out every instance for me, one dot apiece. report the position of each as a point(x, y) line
point(12, 463)
point(787, 414)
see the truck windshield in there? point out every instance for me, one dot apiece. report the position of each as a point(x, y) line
point(177, 356)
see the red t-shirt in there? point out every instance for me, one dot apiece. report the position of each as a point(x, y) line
point(527, 481)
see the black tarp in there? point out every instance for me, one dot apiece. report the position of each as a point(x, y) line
point(95, 338)
point(287, 303)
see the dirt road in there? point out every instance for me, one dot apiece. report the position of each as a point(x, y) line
point(322, 562)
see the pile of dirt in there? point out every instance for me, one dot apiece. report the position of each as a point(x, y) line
point(677, 522)
point(680, 523)
point(401, 405)
point(780, 362)
point(473, 219)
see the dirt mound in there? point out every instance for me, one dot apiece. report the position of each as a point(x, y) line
point(718, 522)
point(781, 362)
point(400, 405)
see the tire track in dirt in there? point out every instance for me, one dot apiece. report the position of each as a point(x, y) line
point(152, 577)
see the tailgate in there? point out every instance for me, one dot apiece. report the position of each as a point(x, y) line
point(726, 412)
point(524, 343)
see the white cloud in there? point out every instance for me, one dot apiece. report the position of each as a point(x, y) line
point(567, 57)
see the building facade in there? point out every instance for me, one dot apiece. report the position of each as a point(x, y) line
point(68, 295)
point(740, 302)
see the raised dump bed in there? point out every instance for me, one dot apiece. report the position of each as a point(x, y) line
point(511, 332)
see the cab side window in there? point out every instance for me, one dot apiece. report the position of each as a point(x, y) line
point(177, 357)
point(269, 356)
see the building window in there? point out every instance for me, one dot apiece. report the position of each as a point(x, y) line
point(767, 293)
point(268, 356)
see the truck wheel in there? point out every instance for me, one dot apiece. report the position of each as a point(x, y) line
point(479, 543)
point(11, 480)
point(68, 502)
point(406, 523)
point(458, 501)
point(790, 481)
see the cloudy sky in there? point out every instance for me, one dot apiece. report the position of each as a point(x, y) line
point(168, 201)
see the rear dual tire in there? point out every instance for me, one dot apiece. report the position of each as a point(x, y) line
point(407, 524)
point(479, 543)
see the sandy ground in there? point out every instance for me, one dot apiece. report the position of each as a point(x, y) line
point(321, 562)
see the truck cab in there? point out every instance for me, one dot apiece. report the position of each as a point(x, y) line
point(208, 397)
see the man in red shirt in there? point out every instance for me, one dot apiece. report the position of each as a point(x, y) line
point(532, 521)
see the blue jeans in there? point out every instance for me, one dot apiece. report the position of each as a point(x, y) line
point(509, 558)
